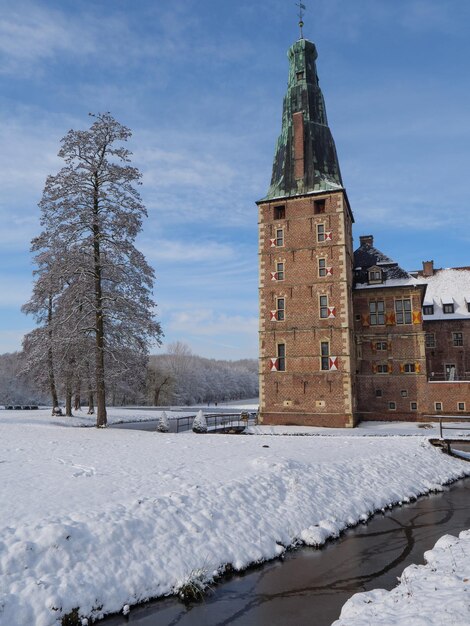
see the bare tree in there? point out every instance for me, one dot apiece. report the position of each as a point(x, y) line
point(92, 212)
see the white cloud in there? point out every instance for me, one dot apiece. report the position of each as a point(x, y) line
point(30, 34)
point(215, 334)
point(186, 251)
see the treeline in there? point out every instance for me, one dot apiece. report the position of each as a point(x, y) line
point(177, 377)
point(180, 377)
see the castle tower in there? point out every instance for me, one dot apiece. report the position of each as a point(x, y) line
point(305, 255)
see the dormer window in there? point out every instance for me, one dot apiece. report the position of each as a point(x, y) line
point(448, 308)
point(375, 275)
point(428, 309)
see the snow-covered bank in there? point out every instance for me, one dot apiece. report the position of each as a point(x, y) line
point(435, 594)
point(98, 519)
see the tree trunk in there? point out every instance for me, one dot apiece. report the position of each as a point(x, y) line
point(50, 360)
point(77, 402)
point(91, 406)
point(68, 401)
point(157, 391)
point(101, 417)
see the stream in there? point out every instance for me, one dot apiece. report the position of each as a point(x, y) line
point(309, 586)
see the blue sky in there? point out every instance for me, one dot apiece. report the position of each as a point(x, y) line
point(200, 83)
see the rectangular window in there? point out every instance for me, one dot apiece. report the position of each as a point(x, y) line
point(461, 406)
point(430, 340)
point(321, 267)
point(438, 406)
point(392, 406)
point(323, 307)
point(320, 232)
point(325, 355)
point(279, 237)
point(414, 406)
point(377, 313)
point(381, 345)
point(280, 271)
point(428, 309)
point(457, 339)
point(404, 393)
point(280, 212)
point(280, 309)
point(378, 393)
point(448, 308)
point(382, 368)
point(281, 357)
point(403, 311)
point(319, 206)
point(409, 368)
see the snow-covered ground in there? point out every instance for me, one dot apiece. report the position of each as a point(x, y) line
point(435, 594)
point(426, 429)
point(98, 519)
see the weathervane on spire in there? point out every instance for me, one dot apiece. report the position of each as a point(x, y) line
point(302, 8)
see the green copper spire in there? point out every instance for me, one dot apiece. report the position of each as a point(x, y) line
point(305, 160)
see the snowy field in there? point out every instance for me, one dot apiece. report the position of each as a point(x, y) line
point(101, 519)
point(435, 594)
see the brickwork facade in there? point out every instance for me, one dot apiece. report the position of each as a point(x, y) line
point(306, 262)
point(403, 370)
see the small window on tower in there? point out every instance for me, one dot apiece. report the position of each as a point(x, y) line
point(280, 212)
point(323, 307)
point(300, 75)
point(321, 267)
point(279, 237)
point(319, 206)
point(281, 357)
point(378, 393)
point(280, 271)
point(321, 232)
point(281, 309)
point(325, 355)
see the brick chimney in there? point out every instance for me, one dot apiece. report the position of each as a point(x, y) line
point(366, 240)
point(428, 268)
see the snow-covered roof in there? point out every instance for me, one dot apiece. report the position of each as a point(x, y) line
point(367, 257)
point(392, 282)
point(447, 286)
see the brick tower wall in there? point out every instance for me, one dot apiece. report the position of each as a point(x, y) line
point(304, 393)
